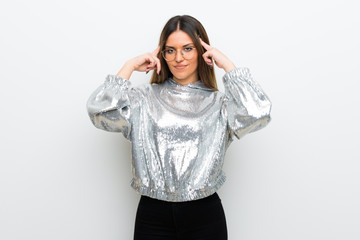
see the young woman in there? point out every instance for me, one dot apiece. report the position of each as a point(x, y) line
point(180, 126)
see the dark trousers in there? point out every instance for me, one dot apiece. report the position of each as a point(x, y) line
point(202, 219)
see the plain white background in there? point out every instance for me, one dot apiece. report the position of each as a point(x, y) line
point(61, 178)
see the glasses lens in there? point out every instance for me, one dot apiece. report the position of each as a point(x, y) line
point(169, 54)
point(188, 52)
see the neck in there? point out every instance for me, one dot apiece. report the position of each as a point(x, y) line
point(186, 80)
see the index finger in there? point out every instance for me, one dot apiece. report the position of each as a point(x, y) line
point(204, 44)
point(157, 50)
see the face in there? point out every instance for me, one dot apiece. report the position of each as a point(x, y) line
point(184, 70)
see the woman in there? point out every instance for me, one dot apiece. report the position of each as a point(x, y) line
point(180, 126)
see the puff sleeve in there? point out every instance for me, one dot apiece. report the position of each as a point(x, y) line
point(246, 106)
point(111, 107)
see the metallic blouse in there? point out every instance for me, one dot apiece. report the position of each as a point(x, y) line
point(179, 133)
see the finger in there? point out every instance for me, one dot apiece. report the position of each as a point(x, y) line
point(207, 58)
point(208, 61)
point(149, 69)
point(205, 45)
point(156, 59)
point(158, 65)
point(153, 63)
point(156, 51)
point(150, 59)
point(148, 62)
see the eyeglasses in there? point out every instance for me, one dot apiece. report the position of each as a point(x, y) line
point(170, 54)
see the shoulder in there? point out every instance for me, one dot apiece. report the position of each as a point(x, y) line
point(143, 87)
point(147, 89)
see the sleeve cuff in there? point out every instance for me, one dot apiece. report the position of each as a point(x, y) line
point(242, 72)
point(117, 82)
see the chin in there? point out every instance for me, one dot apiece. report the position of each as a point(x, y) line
point(180, 76)
point(183, 75)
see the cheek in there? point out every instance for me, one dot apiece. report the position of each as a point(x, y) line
point(194, 63)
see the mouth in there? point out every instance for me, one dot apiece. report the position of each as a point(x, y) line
point(180, 66)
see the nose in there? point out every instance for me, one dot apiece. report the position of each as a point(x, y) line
point(179, 57)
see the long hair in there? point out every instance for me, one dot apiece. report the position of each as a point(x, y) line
point(194, 29)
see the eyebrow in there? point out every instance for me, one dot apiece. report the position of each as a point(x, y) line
point(186, 45)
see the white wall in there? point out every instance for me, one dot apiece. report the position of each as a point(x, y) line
point(61, 178)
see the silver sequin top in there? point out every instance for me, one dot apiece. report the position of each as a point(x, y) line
point(179, 133)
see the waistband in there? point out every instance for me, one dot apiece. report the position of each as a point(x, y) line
point(212, 198)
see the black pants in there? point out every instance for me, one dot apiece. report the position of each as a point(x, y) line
point(202, 219)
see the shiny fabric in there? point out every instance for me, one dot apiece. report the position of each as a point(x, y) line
point(179, 133)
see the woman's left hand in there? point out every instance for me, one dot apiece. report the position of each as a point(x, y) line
point(219, 58)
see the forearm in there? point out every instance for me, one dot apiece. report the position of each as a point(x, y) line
point(126, 70)
point(228, 66)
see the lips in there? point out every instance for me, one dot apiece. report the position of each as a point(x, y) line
point(180, 66)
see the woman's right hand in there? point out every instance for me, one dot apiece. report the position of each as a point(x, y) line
point(143, 63)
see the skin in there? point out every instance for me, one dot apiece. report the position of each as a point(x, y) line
point(184, 71)
point(219, 58)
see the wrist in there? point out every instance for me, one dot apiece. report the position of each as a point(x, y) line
point(229, 66)
point(126, 70)
point(130, 65)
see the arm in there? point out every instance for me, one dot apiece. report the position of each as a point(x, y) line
point(112, 106)
point(246, 105)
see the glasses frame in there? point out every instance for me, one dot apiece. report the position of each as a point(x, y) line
point(176, 51)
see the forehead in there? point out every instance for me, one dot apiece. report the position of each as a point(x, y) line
point(178, 39)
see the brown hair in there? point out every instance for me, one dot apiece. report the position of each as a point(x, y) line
point(194, 29)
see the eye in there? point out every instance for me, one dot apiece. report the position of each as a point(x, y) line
point(169, 51)
point(188, 49)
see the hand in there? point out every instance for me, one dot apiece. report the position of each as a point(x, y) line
point(143, 63)
point(147, 62)
point(219, 58)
